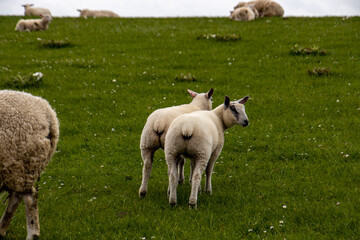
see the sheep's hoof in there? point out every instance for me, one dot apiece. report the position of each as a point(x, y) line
point(142, 193)
point(192, 206)
point(33, 237)
point(181, 182)
point(2, 233)
point(173, 204)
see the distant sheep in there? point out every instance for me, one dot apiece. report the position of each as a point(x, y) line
point(34, 24)
point(85, 13)
point(156, 127)
point(29, 132)
point(35, 11)
point(265, 8)
point(244, 14)
point(200, 137)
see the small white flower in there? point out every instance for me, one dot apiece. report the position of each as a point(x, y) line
point(284, 206)
point(338, 203)
point(271, 227)
point(338, 100)
point(113, 129)
point(281, 221)
point(114, 80)
point(250, 230)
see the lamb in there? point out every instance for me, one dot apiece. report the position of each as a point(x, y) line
point(29, 132)
point(265, 8)
point(200, 137)
point(246, 13)
point(156, 127)
point(34, 24)
point(97, 13)
point(35, 11)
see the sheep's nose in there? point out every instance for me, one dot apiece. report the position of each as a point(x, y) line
point(246, 122)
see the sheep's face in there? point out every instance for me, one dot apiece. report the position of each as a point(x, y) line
point(235, 112)
point(246, 14)
point(202, 100)
point(47, 17)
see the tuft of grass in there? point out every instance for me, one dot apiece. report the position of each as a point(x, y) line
point(27, 81)
point(54, 43)
point(320, 71)
point(220, 37)
point(302, 51)
point(185, 78)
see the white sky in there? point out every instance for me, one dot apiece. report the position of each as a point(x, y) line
point(180, 8)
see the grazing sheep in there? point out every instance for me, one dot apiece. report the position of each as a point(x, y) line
point(265, 8)
point(29, 131)
point(156, 127)
point(34, 24)
point(200, 137)
point(35, 11)
point(244, 14)
point(97, 13)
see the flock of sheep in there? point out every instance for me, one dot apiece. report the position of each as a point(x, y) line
point(243, 11)
point(29, 131)
point(45, 14)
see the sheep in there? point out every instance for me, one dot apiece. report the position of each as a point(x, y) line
point(97, 13)
point(35, 11)
point(246, 13)
point(29, 132)
point(34, 24)
point(156, 127)
point(200, 137)
point(265, 8)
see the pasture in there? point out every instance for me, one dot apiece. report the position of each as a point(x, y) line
point(293, 173)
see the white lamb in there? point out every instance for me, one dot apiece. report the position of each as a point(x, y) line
point(246, 13)
point(85, 13)
point(29, 131)
point(35, 11)
point(156, 127)
point(200, 137)
point(34, 24)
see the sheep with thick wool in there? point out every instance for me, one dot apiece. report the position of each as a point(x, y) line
point(265, 8)
point(34, 24)
point(29, 132)
point(200, 137)
point(35, 11)
point(85, 13)
point(246, 13)
point(156, 127)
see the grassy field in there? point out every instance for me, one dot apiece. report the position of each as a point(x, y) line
point(294, 173)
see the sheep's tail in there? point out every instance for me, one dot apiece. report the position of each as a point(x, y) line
point(53, 132)
point(159, 126)
point(187, 130)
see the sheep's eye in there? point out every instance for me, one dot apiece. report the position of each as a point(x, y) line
point(233, 108)
point(211, 99)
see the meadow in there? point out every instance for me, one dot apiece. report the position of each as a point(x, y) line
point(293, 173)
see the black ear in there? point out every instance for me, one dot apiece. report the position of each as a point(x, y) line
point(243, 100)
point(226, 102)
point(210, 93)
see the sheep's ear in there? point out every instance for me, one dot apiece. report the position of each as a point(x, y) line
point(210, 93)
point(226, 102)
point(243, 100)
point(192, 93)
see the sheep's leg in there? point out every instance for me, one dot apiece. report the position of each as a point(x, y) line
point(181, 170)
point(147, 156)
point(172, 162)
point(209, 170)
point(192, 167)
point(196, 180)
point(14, 200)
point(32, 214)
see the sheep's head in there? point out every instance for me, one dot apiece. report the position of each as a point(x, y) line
point(202, 100)
point(269, 9)
point(46, 17)
point(27, 5)
point(234, 112)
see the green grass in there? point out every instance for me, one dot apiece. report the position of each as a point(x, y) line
point(300, 150)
